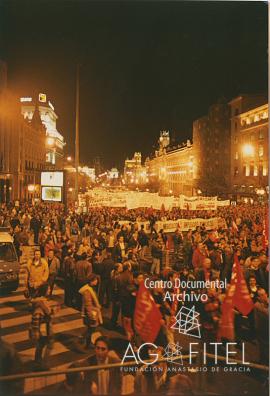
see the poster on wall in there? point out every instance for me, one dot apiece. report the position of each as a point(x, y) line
point(51, 194)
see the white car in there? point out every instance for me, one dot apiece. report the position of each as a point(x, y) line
point(9, 263)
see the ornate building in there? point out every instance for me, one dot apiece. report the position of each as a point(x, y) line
point(54, 140)
point(249, 145)
point(22, 151)
point(134, 171)
point(171, 169)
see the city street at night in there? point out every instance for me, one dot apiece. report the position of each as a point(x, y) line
point(134, 198)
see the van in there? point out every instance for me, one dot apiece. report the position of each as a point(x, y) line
point(9, 263)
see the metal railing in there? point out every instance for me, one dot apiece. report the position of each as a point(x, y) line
point(35, 381)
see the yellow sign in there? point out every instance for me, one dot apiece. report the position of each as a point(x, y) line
point(42, 98)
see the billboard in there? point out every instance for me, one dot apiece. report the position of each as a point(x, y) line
point(51, 194)
point(54, 179)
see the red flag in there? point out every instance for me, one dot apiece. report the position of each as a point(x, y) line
point(226, 323)
point(237, 296)
point(147, 317)
point(241, 299)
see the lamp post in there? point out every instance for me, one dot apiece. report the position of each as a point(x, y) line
point(77, 141)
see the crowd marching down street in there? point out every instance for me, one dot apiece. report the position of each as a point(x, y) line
point(101, 264)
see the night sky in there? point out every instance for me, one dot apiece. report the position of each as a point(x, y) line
point(146, 66)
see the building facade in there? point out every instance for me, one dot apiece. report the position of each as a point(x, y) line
point(211, 146)
point(54, 140)
point(134, 171)
point(22, 151)
point(170, 171)
point(249, 145)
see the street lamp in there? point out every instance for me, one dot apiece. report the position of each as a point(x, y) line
point(50, 141)
point(31, 188)
point(248, 150)
point(260, 191)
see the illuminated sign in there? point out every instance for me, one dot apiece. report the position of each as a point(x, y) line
point(26, 99)
point(51, 106)
point(54, 179)
point(42, 97)
point(51, 194)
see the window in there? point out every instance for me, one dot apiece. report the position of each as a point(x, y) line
point(244, 170)
point(236, 171)
point(251, 170)
point(265, 170)
point(260, 170)
point(235, 126)
point(247, 170)
point(236, 155)
point(260, 150)
point(236, 111)
point(261, 134)
point(255, 170)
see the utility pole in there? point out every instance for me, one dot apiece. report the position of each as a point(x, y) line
point(77, 140)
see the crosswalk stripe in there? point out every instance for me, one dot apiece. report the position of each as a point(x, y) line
point(29, 354)
point(27, 318)
point(57, 328)
point(21, 297)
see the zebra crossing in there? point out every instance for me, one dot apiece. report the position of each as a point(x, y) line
point(67, 327)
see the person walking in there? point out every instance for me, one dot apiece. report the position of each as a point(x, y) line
point(54, 268)
point(37, 273)
point(91, 309)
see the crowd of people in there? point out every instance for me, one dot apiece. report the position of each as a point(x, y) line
point(101, 263)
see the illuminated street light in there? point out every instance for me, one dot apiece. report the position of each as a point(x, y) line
point(31, 187)
point(50, 141)
point(69, 158)
point(170, 192)
point(260, 191)
point(190, 164)
point(248, 150)
point(70, 189)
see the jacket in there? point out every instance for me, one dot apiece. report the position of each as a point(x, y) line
point(82, 270)
point(91, 308)
point(54, 266)
point(114, 387)
point(37, 274)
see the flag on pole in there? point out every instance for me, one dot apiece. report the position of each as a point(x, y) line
point(147, 317)
point(226, 323)
point(237, 296)
point(242, 300)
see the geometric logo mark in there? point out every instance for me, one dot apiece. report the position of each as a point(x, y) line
point(173, 351)
point(187, 322)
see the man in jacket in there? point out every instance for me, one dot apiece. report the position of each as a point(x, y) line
point(37, 274)
point(156, 251)
point(54, 268)
point(106, 267)
point(82, 275)
point(103, 382)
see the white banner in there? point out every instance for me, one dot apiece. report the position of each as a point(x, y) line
point(198, 203)
point(133, 199)
point(182, 224)
point(226, 202)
